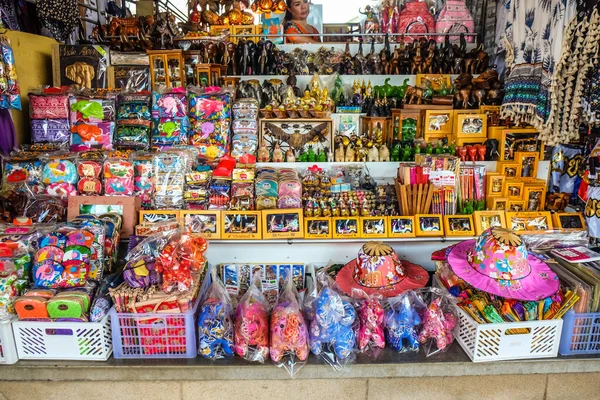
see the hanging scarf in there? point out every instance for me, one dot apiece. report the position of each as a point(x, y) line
point(530, 35)
point(61, 17)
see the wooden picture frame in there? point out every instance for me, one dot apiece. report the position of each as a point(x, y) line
point(516, 206)
point(151, 229)
point(318, 228)
point(216, 30)
point(497, 203)
point(281, 131)
point(495, 185)
point(437, 80)
point(569, 221)
point(514, 140)
point(283, 223)
point(508, 169)
point(438, 122)
point(207, 223)
point(486, 219)
point(513, 190)
point(429, 225)
point(459, 225)
point(346, 227)
point(374, 227)
point(535, 198)
point(529, 222)
point(241, 225)
point(158, 216)
point(405, 128)
point(401, 227)
point(241, 30)
point(528, 165)
point(471, 126)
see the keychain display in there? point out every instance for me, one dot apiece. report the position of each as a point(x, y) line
point(215, 321)
point(252, 324)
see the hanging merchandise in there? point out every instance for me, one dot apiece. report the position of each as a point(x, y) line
point(592, 214)
point(9, 86)
point(415, 18)
point(61, 17)
point(567, 169)
point(531, 38)
point(454, 18)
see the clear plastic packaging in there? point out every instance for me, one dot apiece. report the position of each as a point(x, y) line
point(252, 324)
point(439, 321)
point(289, 333)
point(333, 323)
point(118, 177)
point(370, 315)
point(402, 320)
point(555, 240)
point(215, 321)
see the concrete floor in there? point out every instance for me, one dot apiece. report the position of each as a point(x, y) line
point(510, 387)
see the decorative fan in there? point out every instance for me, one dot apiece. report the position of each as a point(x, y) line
point(506, 236)
point(377, 249)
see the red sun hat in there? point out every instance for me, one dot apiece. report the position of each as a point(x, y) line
point(377, 270)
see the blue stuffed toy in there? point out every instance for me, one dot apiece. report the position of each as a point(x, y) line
point(332, 324)
point(401, 320)
point(215, 329)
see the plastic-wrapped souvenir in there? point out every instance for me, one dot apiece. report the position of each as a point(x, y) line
point(567, 169)
point(252, 324)
point(92, 136)
point(133, 121)
point(215, 323)
point(210, 121)
point(60, 176)
point(118, 177)
point(10, 97)
point(170, 168)
point(18, 170)
point(370, 315)
point(143, 182)
point(402, 320)
point(178, 259)
point(169, 104)
point(439, 320)
point(333, 323)
point(89, 172)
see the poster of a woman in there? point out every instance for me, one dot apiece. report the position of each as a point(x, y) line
point(295, 23)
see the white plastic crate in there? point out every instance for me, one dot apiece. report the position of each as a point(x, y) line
point(86, 341)
point(496, 342)
point(8, 350)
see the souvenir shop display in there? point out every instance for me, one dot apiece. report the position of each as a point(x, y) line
point(92, 121)
point(210, 121)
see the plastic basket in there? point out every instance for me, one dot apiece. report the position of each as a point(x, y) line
point(495, 342)
point(580, 334)
point(154, 335)
point(86, 341)
point(8, 350)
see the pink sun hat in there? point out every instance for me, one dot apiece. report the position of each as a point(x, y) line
point(498, 263)
point(377, 270)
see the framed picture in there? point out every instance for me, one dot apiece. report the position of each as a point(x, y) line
point(524, 140)
point(471, 126)
point(241, 225)
point(346, 227)
point(486, 219)
point(515, 206)
point(514, 190)
point(529, 222)
point(436, 81)
point(528, 165)
point(347, 124)
point(409, 124)
point(373, 227)
point(495, 185)
point(497, 203)
point(317, 228)
point(401, 227)
point(283, 224)
point(216, 30)
point(151, 229)
point(429, 225)
point(568, 221)
point(438, 122)
point(492, 113)
point(207, 223)
point(535, 198)
point(508, 169)
point(156, 216)
point(297, 135)
point(459, 225)
point(242, 30)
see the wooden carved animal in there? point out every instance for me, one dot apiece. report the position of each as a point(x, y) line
point(416, 66)
point(428, 63)
point(384, 153)
point(486, 80)
point(350, 156)
point(404, 59)
point(413, 95)
point(463, 80)
point(385, 64)
point(395, 63)
point(483, 59)
point(210, 53)
point(462, 98)
point(289, 156)
point(339, 154)
point(373, 155)
point(479, 95)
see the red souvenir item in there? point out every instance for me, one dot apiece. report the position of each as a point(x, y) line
point(455, 18)
point(415, 18)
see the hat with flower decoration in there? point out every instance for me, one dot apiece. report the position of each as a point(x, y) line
point(498, 263)
point(377, 269)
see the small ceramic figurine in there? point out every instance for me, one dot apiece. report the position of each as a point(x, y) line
point(289, 156)
point(384, 153)
point(263, 153)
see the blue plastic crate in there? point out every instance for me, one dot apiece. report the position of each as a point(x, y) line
point(580, 334)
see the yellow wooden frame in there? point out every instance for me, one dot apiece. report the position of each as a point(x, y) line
point(558, 224)
point(307, 228)
point(491, 179)
point(494, 203)
point(503, 142)
point(390, 230)
point(228, 234)
point(145, 216)
point(445, 129)
point(519, 157)
point(185, 225)
point(502, 167)
point(266, 222)
point(508, 193)
point(421, 232)
point(518, 203)
point(460, 118)
point(363, 225)
point(351, 221)
point(531, 189)
point(478, 215)
point(514, 221)
point(448, 227)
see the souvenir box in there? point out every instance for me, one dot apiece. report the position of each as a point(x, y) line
point(470, 126)
point(495, 185)
point(373, 227)
point(524, 140)
point(484, 220)
point(318, 228)
point(513, 190)
point(401, 227)
point(528, 165)
point(207, 223)
point(80, 66)
point(529, 222)
point(516, 206)
point(568, 221)
point(438, 122)
point(459, 225)
point(346, 227)
point(240, 225)
point(126, 206)
point(497, 203)
point(507, 168)
point(157, 216)
point(535, 197)
point(283, 223)
point(129, 78)
point(429, 225)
